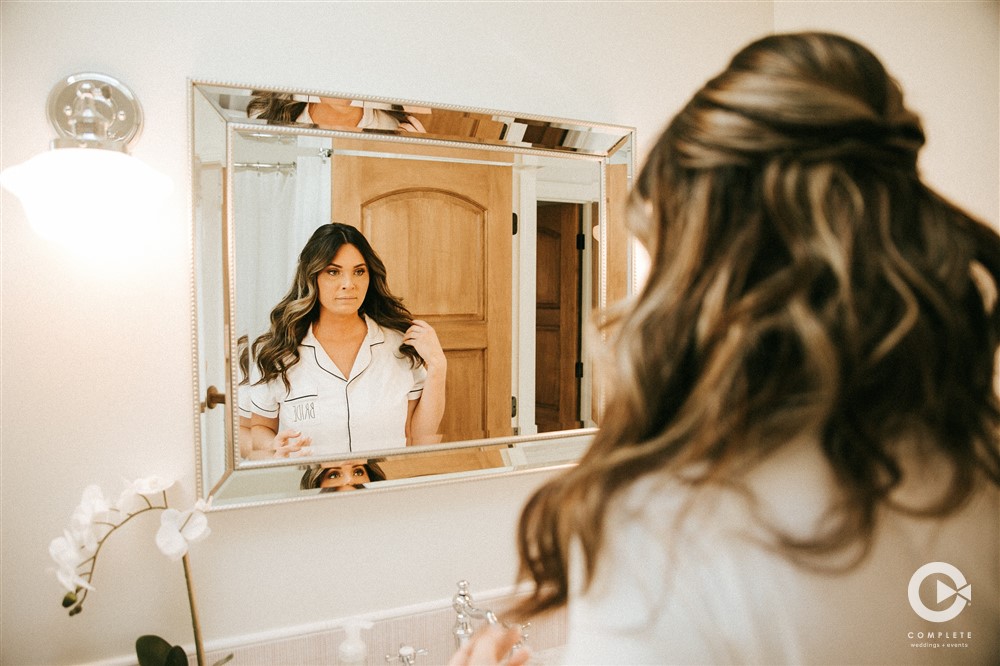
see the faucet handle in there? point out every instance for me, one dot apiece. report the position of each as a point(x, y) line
point(406, 654)
point(524, 631)
point(462, 601)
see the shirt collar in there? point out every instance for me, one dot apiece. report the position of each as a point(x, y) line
point(374, 336)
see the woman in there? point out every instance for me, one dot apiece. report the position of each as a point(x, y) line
point(344, 367)
point(804, 426)
point(339, 475)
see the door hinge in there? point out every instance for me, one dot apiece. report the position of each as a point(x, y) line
point(513, 406)
point(581, 242)
point(514, 231)
point(579, 369)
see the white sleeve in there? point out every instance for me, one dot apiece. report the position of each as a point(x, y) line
point(419, 376)
point(264, 400)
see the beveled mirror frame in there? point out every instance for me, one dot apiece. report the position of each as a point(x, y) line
point(250, 483)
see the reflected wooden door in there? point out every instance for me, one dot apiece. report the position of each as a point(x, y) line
point(443, 230)
point(557, 318)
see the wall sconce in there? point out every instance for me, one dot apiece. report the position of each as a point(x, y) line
point(87, 189)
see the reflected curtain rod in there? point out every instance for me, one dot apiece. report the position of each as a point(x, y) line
point(261, 166)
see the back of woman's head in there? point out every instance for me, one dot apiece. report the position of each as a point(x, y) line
point(274, 107)
point(804, 285)
point(804, 281)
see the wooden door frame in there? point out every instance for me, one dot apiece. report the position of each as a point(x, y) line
point(524, 277)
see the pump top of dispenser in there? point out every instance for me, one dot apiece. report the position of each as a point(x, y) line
point(352, 650)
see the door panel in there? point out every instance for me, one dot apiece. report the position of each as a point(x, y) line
point(557, 318)
point(462, 287)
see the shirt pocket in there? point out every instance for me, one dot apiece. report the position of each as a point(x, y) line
point(300, 405)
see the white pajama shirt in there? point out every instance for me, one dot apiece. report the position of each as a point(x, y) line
point(363, 412)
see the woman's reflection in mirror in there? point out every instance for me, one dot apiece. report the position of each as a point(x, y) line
point(338, 476)
point(331, 112)
point(344, 366)
point(804, 421)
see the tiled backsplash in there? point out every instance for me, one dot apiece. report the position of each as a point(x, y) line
point(429, 630)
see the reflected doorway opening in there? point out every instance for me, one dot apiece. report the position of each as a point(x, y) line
point(559, 369)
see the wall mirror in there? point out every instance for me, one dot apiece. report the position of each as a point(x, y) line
point(503, 230)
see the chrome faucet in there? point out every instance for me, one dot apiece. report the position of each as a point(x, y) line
point(465, 613)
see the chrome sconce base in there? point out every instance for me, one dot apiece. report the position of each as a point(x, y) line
point(94, 111)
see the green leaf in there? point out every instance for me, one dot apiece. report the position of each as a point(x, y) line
point(154, 651)
point(177, 657)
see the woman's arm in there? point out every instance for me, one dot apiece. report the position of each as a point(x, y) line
point(424, 420)
point(267, 443)
point(245, 438)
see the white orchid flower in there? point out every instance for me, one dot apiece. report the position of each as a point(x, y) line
point(71, 580)
point(150, 485)
point(93, 506)
point(179, 529)
point(93, 503)
point(83, 530)
point(65, 551)
point(91, 525)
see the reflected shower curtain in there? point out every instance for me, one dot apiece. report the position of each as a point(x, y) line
point(263, 210)
point(276, 212)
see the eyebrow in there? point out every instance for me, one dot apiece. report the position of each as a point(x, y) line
point(333, 265)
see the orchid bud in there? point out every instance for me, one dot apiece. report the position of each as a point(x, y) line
point(69, 599)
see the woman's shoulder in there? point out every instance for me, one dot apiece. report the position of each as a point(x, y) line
point(736, 507)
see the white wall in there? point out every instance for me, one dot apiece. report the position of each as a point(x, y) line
point(96, 357)
point(945, 55)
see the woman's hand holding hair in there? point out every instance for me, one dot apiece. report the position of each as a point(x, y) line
point(422, 337)
point(492, 646)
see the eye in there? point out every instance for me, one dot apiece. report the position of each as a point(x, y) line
point(333, 474)
point(359, 272)
point(333, 271)
point(359, 471)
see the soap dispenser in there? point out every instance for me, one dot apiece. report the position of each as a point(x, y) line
point(353, 651)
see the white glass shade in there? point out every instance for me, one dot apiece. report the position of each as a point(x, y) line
point(87, 195)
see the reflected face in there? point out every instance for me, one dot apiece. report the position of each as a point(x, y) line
point(343, 475)
point(344, 282)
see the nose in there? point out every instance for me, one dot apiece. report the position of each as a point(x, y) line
point(346, 281)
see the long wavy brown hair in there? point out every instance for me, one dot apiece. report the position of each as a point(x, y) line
point(277, 350)
point(804, 283)
point(275, 107)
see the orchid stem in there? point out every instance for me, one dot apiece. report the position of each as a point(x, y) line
point(195, 624)
point(100, 544)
